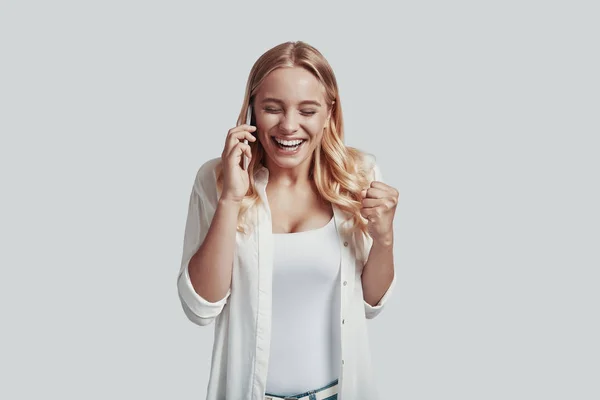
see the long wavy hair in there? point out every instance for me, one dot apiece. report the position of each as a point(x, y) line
point(340, 172)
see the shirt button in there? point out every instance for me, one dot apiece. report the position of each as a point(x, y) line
point(343, 321)
point(342, 362)
point(345, 244)
point(345, 283)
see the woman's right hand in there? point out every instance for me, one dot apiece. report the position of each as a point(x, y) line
point(235, 178)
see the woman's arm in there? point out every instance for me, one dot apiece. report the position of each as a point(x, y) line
point(378, 276)
point(211, 267)
point(378, 272)
point(204, 279)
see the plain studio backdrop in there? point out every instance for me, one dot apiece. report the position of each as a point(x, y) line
point(485, 116)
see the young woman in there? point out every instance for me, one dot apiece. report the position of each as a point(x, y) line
point(291, 254)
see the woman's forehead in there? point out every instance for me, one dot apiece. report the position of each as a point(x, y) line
point(291, 85)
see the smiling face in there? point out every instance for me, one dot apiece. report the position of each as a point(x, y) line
point(291, 112)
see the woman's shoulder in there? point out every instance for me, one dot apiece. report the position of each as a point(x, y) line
point(206, 176)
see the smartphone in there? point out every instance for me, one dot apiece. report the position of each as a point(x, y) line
point(249, 122)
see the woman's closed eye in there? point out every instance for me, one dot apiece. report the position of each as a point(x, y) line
point(305, 112)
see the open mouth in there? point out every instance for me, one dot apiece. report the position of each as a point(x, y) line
point(288, 145)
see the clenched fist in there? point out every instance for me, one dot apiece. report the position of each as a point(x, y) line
point(379, 207)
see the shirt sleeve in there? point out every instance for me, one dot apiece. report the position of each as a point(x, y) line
point(200, 212)
point(372, 311)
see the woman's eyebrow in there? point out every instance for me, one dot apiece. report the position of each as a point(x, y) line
point(273, 99)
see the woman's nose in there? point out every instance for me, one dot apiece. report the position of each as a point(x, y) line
point(289, 122)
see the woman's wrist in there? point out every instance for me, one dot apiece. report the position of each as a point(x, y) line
point(229, 203)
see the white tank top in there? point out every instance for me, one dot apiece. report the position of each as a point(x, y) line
point(305, 338)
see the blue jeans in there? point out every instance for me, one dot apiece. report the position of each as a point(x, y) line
point(310, 393)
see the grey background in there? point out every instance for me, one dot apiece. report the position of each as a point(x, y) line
point(484, 115)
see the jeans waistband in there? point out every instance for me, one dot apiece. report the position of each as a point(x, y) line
point(322, 393)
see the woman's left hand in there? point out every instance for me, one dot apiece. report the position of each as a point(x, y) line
point(379, 207)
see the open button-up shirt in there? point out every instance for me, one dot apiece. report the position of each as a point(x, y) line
point(242, 318)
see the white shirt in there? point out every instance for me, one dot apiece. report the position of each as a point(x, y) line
point(305, 319)
point(240, 356)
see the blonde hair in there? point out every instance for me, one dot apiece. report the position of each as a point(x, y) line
point(340, 172)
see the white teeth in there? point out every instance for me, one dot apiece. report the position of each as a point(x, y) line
point(288, 142)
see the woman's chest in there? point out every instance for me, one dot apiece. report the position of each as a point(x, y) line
point(298, 213)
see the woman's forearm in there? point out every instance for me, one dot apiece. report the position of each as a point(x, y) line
point(378, 272)
point(211, 267)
